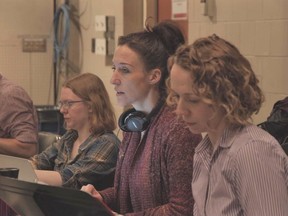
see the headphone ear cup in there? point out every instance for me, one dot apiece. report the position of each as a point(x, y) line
point(133, 121)
point(136, 122)
point(121, 120)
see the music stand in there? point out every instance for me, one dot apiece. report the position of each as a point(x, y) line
point(28, 198)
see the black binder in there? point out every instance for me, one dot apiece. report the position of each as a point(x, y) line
point(32, 199)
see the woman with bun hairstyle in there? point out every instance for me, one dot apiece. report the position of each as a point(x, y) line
point(154, 167)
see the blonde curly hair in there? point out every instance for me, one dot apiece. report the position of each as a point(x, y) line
point(221, 76)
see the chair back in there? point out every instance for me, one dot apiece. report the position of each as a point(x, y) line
point(46, 139)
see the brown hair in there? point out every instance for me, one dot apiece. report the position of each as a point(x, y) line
point(222, 76)
point(155, 45)
point(91, 89)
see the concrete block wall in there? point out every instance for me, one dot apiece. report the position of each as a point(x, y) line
point(32, 70)
point(93, 63)
point(259, 28)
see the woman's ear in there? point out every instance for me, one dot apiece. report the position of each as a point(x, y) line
point(89, 105)
point(154, 76)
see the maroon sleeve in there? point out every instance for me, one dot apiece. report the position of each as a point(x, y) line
point(18, 116)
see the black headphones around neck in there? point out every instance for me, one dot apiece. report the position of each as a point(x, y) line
point(137, 121)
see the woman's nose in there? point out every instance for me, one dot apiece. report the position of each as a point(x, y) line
point(62, 109)
point(181, 108)
point(115, 80)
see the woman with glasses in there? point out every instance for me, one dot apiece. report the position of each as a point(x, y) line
point(87, 152)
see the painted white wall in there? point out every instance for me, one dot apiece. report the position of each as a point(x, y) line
point(259, 28)
point(99, 64)
point(33, 71)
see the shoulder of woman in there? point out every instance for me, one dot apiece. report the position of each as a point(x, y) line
point(174, 128)
point(169, 119)
point(107, 137)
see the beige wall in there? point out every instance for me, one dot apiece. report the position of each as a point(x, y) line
point(33, 71)
point(258, 27)
point(99, 64)
point(129, 12)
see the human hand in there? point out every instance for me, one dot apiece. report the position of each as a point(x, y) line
point(116, 214)
point(92, 191)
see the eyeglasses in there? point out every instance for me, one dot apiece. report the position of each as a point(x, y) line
point(67, 104)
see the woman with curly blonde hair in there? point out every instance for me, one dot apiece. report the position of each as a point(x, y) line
point(238, 169)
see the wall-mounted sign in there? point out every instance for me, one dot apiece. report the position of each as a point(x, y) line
point(179, 10)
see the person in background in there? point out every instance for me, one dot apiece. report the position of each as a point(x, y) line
point(18, 121)
point(87, 152)
point(239, 169)
point(18, 126)
point(154, 168)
